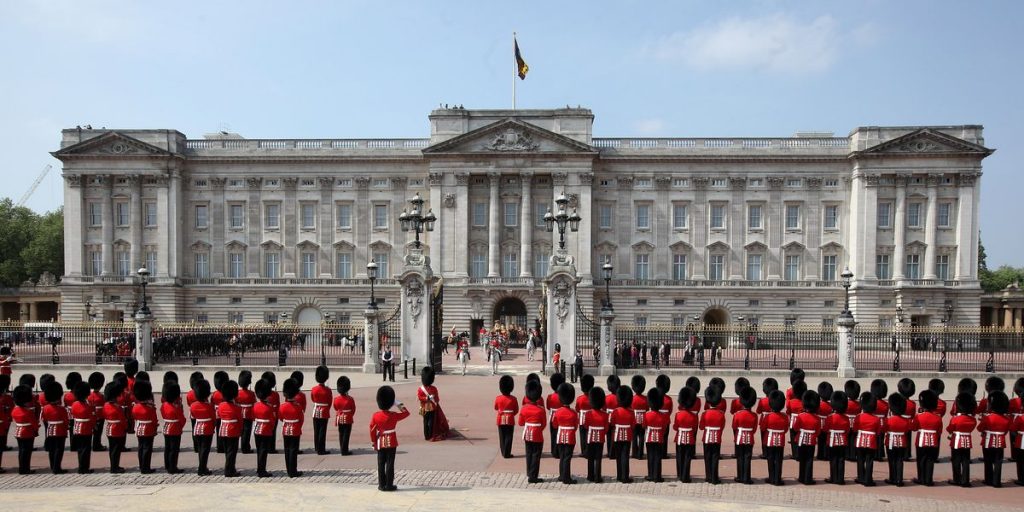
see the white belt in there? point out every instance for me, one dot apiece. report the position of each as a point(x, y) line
point(229, 421)
point(345, 411)
point(179, 420)
point(55, 423)
point(386, 432)
point(321, 404)
point(533, 425)
point(203, 420)
point(990, 435)
point(263, 420)
point(507, 411)
point(296, 421)
point(596, 428)
point(82, 420)
point(143, 422)
point(119, 421)
point(922, 433)
point(246, 406)
point(957, 436)
point(22, 424)
point(835, 436)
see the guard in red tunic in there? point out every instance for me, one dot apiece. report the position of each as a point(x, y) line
point(694, 384)
point(321, 396)
point(7, 359)
point(264, 424)
point(773, 428)
point(552, 404)
point(993, 428)
point(796, 375)
point(837, 430)
point(26, 427)
point(795, 406)
point(897, 435)
point(55, 419)
point(1013, 412)
point(595, 425)
point(96, 400)
point(744, 427)
point(291, 416)
point(852, 389)
point(533, 419)
point(938, 386)
point(867, 427)
point(741, 383)
point(131, 370)
point(6, 406)
point(174, 424)
point(824, 411)
point(664, 384)
point(907, 389)
point(712, 423)
point(144, 413)
point(928, 424)
point(655, 431)
point(992, 384)
point(70, 382)
point(880, 389)
point(435, 426)
point(969, 386)
point(611, 401)
point(219, 379)
point(83, 420)
point(344, 413)
point(565, 422)
point(960, 430)
point(622, 421)
point(203, 414)
point(190, 398)
point(116, 424)
point(763, 409)
point(639, 406)
point(230, 416)
point(246, 400)
point(582, 407)
point(807, 426)
point(275, 400)
point(685, 428)
point(506, 407)
point(384, 436)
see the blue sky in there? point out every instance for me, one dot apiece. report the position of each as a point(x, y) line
point(375, 69)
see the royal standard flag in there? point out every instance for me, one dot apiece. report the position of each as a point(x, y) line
point(521, 66)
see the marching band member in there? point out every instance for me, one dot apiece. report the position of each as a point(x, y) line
point(960, 429)
point(837, 430)
point(880, 389)
point(26, 427)
point(55, 419)
point(383, 435)
point(773, 427)
point(655, 431)
point(928, 424)
point(300, 396)
point(566, 422)
point(344, 413)
point(506, 407)
point(230, 429)
point(174, 424)
point(744, 424)
point(639, 406)
point(622, 423)
point(291, 415)
point(322, 396)
point(994, 427)
point(712, 421)
point(264, 424)
point(867, 427)
point(906, 388)
point(274, 399)
point(897, 433)
point(795, 375)
point(202, 432)
point(595, 423)
point(6, 406)
point(144, 414)
point(736, 406)
point(763, 409)
point(685, 427)
point(807, 426)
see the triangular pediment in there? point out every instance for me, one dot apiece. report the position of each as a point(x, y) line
point(606, 246)
point(111, 144)
point(510, 136)
point(926, 142)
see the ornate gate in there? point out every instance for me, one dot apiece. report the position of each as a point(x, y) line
point(588, 339)
point(436, 328)
point(390, 331)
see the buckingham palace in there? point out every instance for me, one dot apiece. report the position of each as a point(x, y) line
point(722, 230)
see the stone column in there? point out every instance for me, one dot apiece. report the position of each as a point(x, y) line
point(812, 231)
point(362, 225)
point(606, 365)
point(561, 306)
point(699, 216)
point(462, 223)
point(584, 240)
point(436, 241)
point(33, 311)
point(253, 227)
point(326, 222)
point(137, 221)
point(930, 228)
point(370, 340)
point(218, 228)
point(1007, 317)
point(174, 221)
point(107, 206)
point(494, 227)
point(624, 227)
point(967, 248)
point(74, 225)
point(737, 224)
point(899, 227)
point(417, 281)
point(289, 228)
point(144, 339)
point(845, 325)
point(525, 227)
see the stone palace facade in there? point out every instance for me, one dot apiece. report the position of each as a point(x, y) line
point(718, 229)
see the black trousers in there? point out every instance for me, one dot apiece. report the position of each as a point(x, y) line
point(291, 455)
point(533, 451)
point(805, 454)
point(684, 459)
point(220, 440)
point(320, 435)
point(712, 455)
point(622, 461)
point(385, 467)
point(428, 425)
point(837, 466)
point(230, 455)
point(97, 436)
point(25, 447)
point(262, 450)
point(565, 462)
point(993, 458)
point(866, 466)
point(54, 447)
point(388, 369)
point(961, 459)
point(203, 444)
point(554, 436)
point(851, 450)
point(594, 452)
point(926, 458)
point(638, 442)
point(115, 446)
point(611, 446)
point(654, 462)
point(246, 442)
point(823, 448)
point(172, 447)
point(774, 454)
point(344, 434)
point(1018, 457)
point(880, 451)
point(273, 441)
point(897, 456)
point(83, 447)
point(145, 453)
point(744, 455)
point(505, 440)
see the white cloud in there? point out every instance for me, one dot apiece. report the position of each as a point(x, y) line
point(776, 43)
point(652, 126)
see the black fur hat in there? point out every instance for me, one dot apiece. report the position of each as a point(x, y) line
point(897, 404)
point(261, 389)
point(879, 388)
point(28, 380)
point(171, 392)
point(96, 381)
point(655, 398)
point(533, 390)
point(994, 383)
point(566, 394)
point(169, 376)
point(229, 391)
point(613, 383)
point(967, 385)
point(717, 382)
point(321, 374)
point(741, 384)
point(72, 380)
point(45, 380)
point(825, 391)
point(244, 379)
point(776, 400)
point(202, 390)
point(300, 378)
point(769, 385)
point(131, 367)
point(533, 376)
point(687, 397)
point(928, 400)
point(121, 379)
point(271, 379)
point(799, 388)
point(597, 398)
point(663, 383)
point(5, 383)
point(638, 384)
point(938, 386)
point(53, 392)
point(289, 388)
point(868, 402)
point(1018, 387)
point(344, 385)
point(556, 379)
point(586, 383)
point(427, 376)
point(143, 375)
point(194, 379)
point(694, 384)
point(839, 402)
point(998, 402)
point(81, 392)
point(965, 403)
point(143, 390)
point(22, 395)
point(219, 378)
point(506, 384)
point(112, 391)
point(811, 400)
point(906, 387)
point(852, 389)
point(625, 396)
point(713, 395)
point(796, 374)
point(385, 397)
point(748, 397)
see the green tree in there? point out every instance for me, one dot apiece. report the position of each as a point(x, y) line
point(995, 280)
point(45, 253)
point(17, 227)
point(982, 257)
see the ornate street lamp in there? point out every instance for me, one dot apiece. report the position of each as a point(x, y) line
point(561, 219)
point(416, 220)
point(847, 277)
point(143, 274)
point(899, 315)
point(371, 274)
point(606, 271)
point(947, 315)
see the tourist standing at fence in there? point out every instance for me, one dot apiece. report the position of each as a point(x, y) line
point(144, 414)
point(639, 406)
point(685, 427)
point(264, 424)
point(230, 416)
point(744, 425)
point(868, 427)
point(116, 424)
point(622, 423)
point(246, 400)
point(993, 428)
point(506, 407)
point(552, 404)
point(611, 401)
point(960, 429)
point(837, 431)
point(655, 431)
point(387, 363)
point(384, 436)
point(897, 431)
point(774, 427)
point(174, 424)
point(595, 423)
point(532, 418)
point(55, 420)
point(344, 413)
point(26, 427)
point(321, 396)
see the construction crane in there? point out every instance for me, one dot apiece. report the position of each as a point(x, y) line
point(35, 185)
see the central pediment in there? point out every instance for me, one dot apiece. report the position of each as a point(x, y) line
point(112, 144)
point(926, 142)
point(510, 137)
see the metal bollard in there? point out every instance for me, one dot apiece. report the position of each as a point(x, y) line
point(238, 359)
point(563, 367)
point(414, 367)
point(405, 369)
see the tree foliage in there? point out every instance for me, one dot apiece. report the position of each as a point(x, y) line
point(30, 244)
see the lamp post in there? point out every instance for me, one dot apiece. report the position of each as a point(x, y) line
point(415, 220)
point(606, 270)
point(328, 316)
point(561, 218)
point(143, 274)
point(371, 274)
point(847, 276)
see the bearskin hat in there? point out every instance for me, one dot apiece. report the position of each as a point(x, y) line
point(586, 383)
point(897, 404)
point(769, 385)
point(741, 384)
point(811, 400)
point(625, 396)
point(717, 382)
point(967, 385)
point(852, 389)
point(271, 379)
point(938, 386)
point(655, 398)
point(72, 380)
point(638, 383)
point(229, 391)
point(533, 377)
point(796, 374)
point(998, 402)
point(994, 383)
point(613, 383)
point(321, 374)
point(694, 384)
point(825, 391)
point(776, 400)
point(344, 385)
point(533, 390)
point(219, 378)
point(663, 383)
point(799, 388)
point(202, 390)
point(879, 388)
point(171, 392)
point(748, 397)
point(121, 379)
point(686, 398)
point(28, 380)
point(928, 400)
point(839, 402)
point(261, 389)
point(868, 402)
point(143, 375)
point(244, 379)
point(96, 381)
point(566, 394)
point(385, 397)
point(53, 392)
point(131, 367)
point(81, 392)
point(556, 380)
point(596, 398)
point(45, 380)
point(22, 395)
point(1018, 387)
point(194, 379)
point(289, 388)
point(713, 395)
point(965, 403)
point(143, 391)
point(906, 387)
point(506, 384)
point(300, 378)
point(170, 376)
point(112, 391)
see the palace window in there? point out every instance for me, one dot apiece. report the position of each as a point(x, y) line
point(380, 216)
point(828, 267)
point(792, 216)
point(272, 264)
point(95, 263)
point(943, 217)
point(792, 270)
point(511, 214)
point(717, 216)
point(308, 267)
point(151, 262)
point(124, 267)
point(882, 268)
point(478, 262)
point(150, 220)
point(679, 267)
point(202, 220)
point(344, 265)
point(541, 258)
point(121, 214)
point(831, 217)
point(236, 265)
point(539, 209)
point(479, 214)
point(884, 218)
point(679, 216)
point(202, 264)
point(754, 216)
point(914, 215)
point(345, 216)
point(716, 267)
point(237, 214)
point(754, 265)
point(642, 267)
point(643, 216)
point(308, 216)
point(942, 267)
point(510, 264)
point(272, 216)
point(913, 267)
point(604, 215)
point(95, 214)
point(381, 259)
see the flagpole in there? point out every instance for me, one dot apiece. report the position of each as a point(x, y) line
point(515, 71)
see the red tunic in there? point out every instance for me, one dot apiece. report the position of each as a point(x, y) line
point(5, 365)
point(639, 407)
point(540, 403)
point(696, 408)
point(116, 423)
point(762, 409)
point(582, 406)
point(928, 425)
point(744, 425)
point(896, 429)
point(321, 396)
point(428, 394)
point(565, 421)
point(685, 427)
point(793, 409)
point(291, 415)
point(230, 415)
point(265, 418)
point(610, 403)
point(868, 426)
point(993, 428)
point(595, 425)
point(852, 411)
point(622, 421)
point(837, 427)
point(960, 429)
point(1018, 427)
point(174, 419)
point(940, 408)
point(6, 406)
point(506, 408)
point(216, 399)
point(655, 427)
point(96, 401)
point(274, 399)
point(55, 417)
point(83, 419)
point(911, 410)
point(720, 406)
point(824, 411)
point(666, 406)
point(246, 399)
point(383, 428)
point(533, 420)
point(712, 421)
point(190, 398)
point(552, 404)
point(735, 406)
point(806, 426)
point(774, 427)
point(344, 410)
point(300, 400)
point(203, 413)
point(1015, 408)
point(26, 425)
point(144, 414)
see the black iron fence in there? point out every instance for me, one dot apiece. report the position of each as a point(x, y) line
point(588, 339)
point(939, 349)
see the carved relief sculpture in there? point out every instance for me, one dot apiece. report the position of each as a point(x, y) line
point(512, 140)
point(562, 290)
point(414, 298)
point(449, 200)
